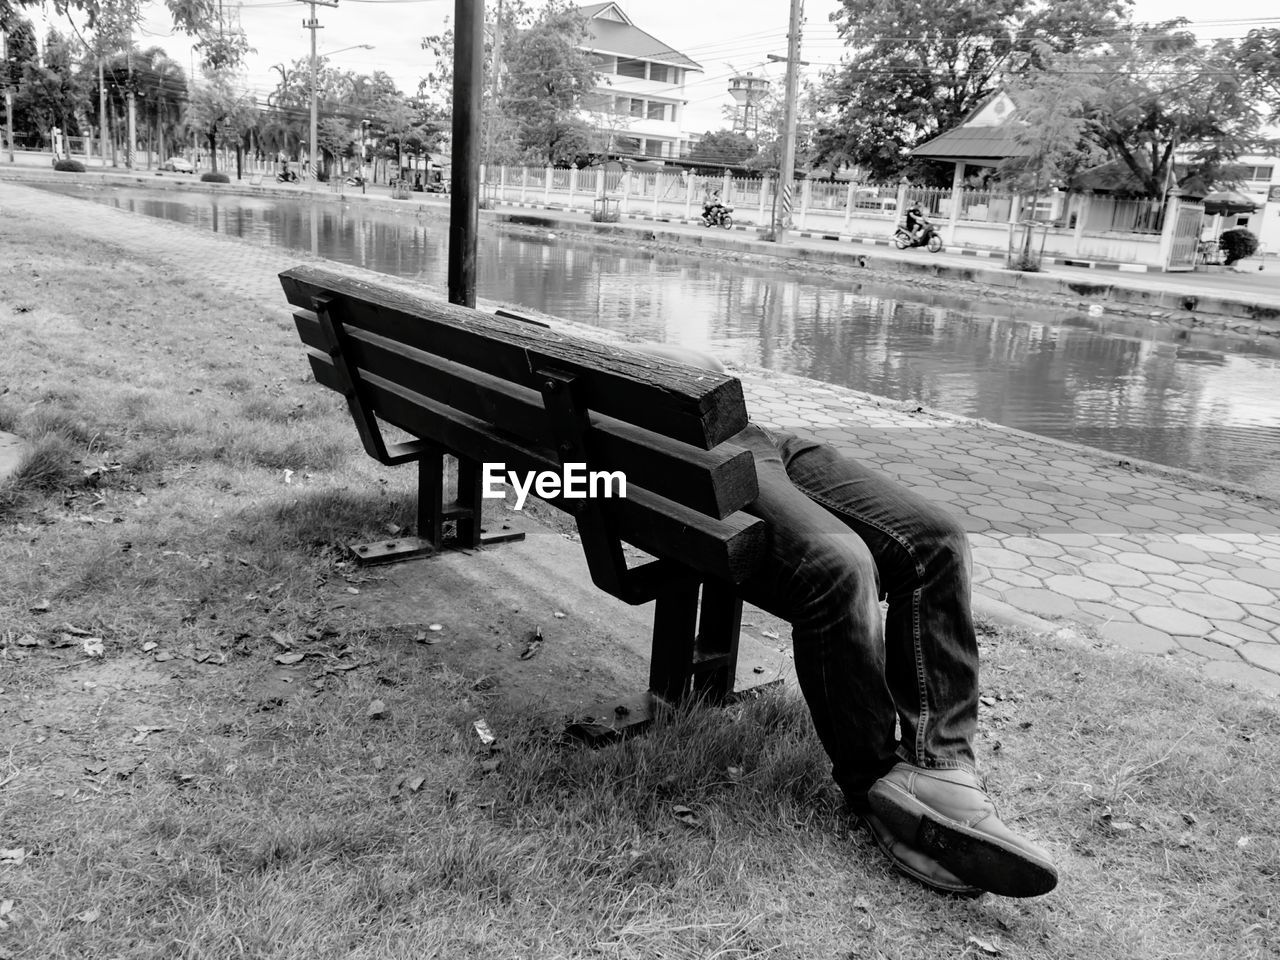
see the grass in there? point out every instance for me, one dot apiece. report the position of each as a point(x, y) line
point(281, 820)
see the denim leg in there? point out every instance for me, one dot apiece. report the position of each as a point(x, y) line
point(922, 557)
point(820, 576)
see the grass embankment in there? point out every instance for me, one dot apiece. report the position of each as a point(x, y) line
point(154, 803)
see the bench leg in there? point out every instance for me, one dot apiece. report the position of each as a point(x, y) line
point(433, 513)
point(715, 658)
point(675, 620)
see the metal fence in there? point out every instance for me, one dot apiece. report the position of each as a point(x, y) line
point(1114, 215)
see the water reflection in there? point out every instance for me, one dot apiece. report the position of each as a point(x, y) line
point(1188, 399)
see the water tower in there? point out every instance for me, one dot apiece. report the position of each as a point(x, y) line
point(747, 91)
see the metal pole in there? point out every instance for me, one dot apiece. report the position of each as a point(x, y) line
point(464, 216)
point(786, 172)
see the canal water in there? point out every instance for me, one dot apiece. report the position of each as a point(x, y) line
point(1198, 401)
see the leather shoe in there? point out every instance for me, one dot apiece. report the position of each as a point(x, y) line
point(948, 817)
point(915, 864)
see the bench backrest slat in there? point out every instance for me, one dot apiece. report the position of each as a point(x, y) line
point(716, 482)
point(693, 406)
point(728, 548)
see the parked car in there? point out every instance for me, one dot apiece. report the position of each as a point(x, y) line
point(178, 165)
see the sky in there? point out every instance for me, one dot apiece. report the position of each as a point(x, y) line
point(724, 38)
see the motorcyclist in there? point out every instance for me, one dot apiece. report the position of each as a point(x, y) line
point(917, 223)
point(712, 207)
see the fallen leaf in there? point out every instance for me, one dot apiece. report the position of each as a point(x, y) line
point(376, 710)
point(27, 640)
point(415, 784)
point(75, 631)
point(281, 640)
point(1242, 842)
point(1122, 826)
point(987, 701)
point(88, 916)
point(379, 762)
point(559, 614)
point(352, 590)
point(984, 946)
point(288, 658)
point(144, 732)
point(685, 816)
point(92, 646)
point(434, 627)
point(13, 855)
point(532, 647)
point(162, 656)
point(40, 606)
point(771, 634)
point(149, 646)
point(483, 731)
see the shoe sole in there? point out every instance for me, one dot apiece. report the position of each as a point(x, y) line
point(971, 855)
point(965, 892)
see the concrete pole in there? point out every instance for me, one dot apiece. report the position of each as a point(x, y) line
point(102, 112)
point(8, 93)
point(129, 147)
point(313, 26)
point(787, 170)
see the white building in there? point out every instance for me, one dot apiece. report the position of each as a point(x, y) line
point(639, 102)
point(1259, 180)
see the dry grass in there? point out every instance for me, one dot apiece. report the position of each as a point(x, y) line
point(276, 820)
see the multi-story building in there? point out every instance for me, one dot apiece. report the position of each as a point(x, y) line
point(1258, 178)
point(638, 105)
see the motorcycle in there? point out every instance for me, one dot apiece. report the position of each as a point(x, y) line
point(354, 181)
point(928, 238)
point(286, 176)
point(718, 216)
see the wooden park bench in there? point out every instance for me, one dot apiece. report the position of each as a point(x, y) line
point(484, 388)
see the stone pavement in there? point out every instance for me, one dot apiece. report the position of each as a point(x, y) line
point(1143, 557)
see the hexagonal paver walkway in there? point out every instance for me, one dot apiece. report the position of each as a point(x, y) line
point(1152, 560)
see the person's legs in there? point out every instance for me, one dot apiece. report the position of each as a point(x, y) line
point(820, 577)
point(923, 663)
point(922, 557)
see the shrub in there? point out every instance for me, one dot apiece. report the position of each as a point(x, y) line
point(213, 177)
point(68, 166)
point(1237, 244)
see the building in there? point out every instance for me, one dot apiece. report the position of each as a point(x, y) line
point(638, 105)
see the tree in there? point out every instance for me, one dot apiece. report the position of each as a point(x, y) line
point(723, 147)
point(1152, 96)
point(222, 45)
point(914, 70)
point(219, 108)
point(548, 76)
point(1259, 59)
point(52, 95)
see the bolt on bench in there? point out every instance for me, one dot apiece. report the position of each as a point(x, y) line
point(484, 388)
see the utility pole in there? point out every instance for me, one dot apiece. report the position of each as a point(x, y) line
point(102, 110)
point(8, 92)
point(132, 132)
point(313, 25)
point(492, 121)
point(786, 171)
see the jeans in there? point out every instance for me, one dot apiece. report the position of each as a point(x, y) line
point(841, 537)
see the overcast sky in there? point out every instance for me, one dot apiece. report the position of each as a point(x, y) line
point(722, 37)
